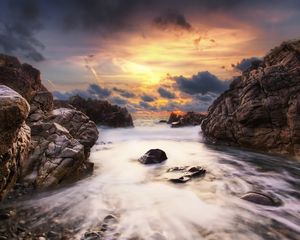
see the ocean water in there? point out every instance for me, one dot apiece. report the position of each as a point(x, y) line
point(148, 206)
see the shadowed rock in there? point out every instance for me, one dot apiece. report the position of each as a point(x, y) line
point(188, 119)
point(153, 156)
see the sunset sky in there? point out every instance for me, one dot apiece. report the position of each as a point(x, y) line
point(147, 55)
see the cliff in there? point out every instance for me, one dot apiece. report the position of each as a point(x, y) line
point(261, 110)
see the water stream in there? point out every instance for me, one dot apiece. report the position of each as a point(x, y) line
point(148, 206)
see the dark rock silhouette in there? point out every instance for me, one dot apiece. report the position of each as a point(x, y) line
point(261, 110)
point(100, 111)
point(188, 119)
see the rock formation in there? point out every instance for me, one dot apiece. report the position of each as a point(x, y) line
point(14, 137)
point(100, 111)
point(261, 110)
point(188, 119)
point(61, 139)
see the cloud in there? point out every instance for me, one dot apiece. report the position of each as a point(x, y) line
point(246, 63)
point(203, 83)
point(147, 106)
point(165, 93)
point(124, 93)
point(99, 91)
point(147, 98)
point(94, 91)
point(18, 25)
point(172, 19)
point(118, 100)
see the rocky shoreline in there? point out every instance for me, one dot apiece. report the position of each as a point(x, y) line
point(261, 109)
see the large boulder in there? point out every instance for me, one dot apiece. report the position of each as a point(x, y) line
point(14, 137)
point(261, 110)
point(99, 111)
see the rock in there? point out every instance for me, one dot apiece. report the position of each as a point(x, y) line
point(261, 198)
point(153, 156)
point(78, 125)
point(261, 109)
point(99, 111)
point(184, 174)
point(14, 137)
point(163, 121)
point(38, 145)
point(188, 119)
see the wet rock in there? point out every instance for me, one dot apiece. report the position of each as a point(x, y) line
point(261, 198)
point(163, 121)
point(153, 156)
point(261, 109)
point(99, 111)
point(184, 174)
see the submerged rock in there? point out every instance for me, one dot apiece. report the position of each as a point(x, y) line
point(153, 156)
point(184, 174)
point(261, 198)
point(261, 110)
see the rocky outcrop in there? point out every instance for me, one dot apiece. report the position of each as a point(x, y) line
point(61, 139)
point(183, 120)
point(261, 110)
point(14, 137)
point(99, 111)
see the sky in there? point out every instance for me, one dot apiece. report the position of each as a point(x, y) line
point(147, 55)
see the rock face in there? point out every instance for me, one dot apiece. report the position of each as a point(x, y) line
point(61, 139)
point(14, 137)
point(188, 119)
point(99, 111)
point(153, 156)
point(261, 110)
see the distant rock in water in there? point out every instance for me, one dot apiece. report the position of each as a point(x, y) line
point(184, 174)
point(99, 111)
point(261, 198)
point(261, 110)
point(37, 144)
point(153, 156)
point(188, 119)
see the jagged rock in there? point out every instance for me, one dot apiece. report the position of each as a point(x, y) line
point(153, 156)
point(188, 119)
point(14, 137)
point(261, 198)
point(78, 125)
point(99, 111)
point(61, 140)
point(261, 110)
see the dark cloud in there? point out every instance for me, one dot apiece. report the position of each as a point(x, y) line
point(147, 98)
point(94, 91)
point(246, 63)
point(124, 93)
point(118, 100)
point(203, 83)
point(172, 19)
point(18, 26)
point(99, 91)
point(165, 93)
point(147, 106)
